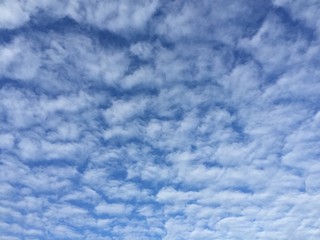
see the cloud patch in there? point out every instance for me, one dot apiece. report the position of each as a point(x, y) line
point(159, 120)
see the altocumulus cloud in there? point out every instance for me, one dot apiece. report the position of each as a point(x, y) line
point(159, 119)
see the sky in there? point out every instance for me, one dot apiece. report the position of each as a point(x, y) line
point(159, 119)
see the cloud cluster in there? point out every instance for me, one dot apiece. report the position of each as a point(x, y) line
point(159, 120)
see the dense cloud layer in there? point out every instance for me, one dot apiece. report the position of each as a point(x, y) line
point(159, 120)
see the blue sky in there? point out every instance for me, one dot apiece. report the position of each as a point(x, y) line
point(174, 120)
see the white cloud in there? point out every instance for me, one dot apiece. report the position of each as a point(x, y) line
point(205, 22)
point(300, 11)
point(125, 191)
point(122, 111)
point(116, 16)
point(144, 76)
point(117, 209)
point(159, 120)
point(6, 141)
point(312, 183)
point(12, 14)
point(19, 60)
point(143, 50)
point(171, 195)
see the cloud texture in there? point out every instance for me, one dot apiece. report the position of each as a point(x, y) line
point(159, 120)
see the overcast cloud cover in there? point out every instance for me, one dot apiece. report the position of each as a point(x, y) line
point(159, 119)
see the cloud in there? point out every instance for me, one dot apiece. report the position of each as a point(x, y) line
point(122, 111)
point(159, 120)
point(7, 141)
point(12, 14)
point(19, 60)
point(113, 209)
point(114, 16)
point(204, 22)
